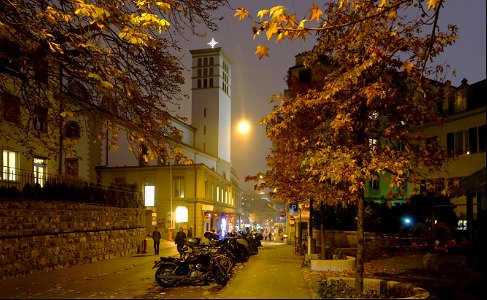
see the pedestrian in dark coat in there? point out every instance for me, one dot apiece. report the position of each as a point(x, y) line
point(156, 236)
point(180, 240)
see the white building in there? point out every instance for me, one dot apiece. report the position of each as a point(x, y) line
point(202, 195)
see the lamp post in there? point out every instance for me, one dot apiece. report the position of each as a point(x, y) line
point(276, 217)
point(170, 200)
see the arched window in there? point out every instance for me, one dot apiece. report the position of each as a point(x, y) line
point(199, 72)
point(205, 61)
point(211, 61)
point(199, 62)
point(211, 71)
point(205, 83)
point(211, 82)
point(199, 83)
point(205, 72)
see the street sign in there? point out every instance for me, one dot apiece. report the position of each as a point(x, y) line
point(293, 209)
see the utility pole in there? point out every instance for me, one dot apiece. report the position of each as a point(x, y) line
point(310, 225)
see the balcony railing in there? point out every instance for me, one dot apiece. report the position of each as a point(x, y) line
point(18, 184)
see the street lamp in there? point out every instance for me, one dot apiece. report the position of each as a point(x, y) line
point(243, 127)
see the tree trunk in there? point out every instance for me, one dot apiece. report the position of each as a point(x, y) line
point(310, 226)
point(322, 232)
point(359, 274)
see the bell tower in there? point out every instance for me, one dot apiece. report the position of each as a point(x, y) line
point(211, 91)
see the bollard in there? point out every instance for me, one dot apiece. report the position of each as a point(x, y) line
point(144, 246)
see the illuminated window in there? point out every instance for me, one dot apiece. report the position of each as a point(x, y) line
point(9, 165)
point(373, 145)
point(149, 195)
point(40, 171)
point(462, 225)
point(181, 214)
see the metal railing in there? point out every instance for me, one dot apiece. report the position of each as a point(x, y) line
point(18, 184)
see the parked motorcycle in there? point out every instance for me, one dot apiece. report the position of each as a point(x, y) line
point(219, 250)
point(194, 268)
point(246, 239)
point(240, 251)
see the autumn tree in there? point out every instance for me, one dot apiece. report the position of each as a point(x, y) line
point(117, 62)
point(364, 115)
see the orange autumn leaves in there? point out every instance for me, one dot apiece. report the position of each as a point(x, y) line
point(275, 22)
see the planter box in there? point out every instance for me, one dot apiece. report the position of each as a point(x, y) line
point(333, 264)
point(388, 288)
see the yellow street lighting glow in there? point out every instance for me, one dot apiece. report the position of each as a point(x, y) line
point(243, 127)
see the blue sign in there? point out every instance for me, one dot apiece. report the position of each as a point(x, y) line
point(293, 209)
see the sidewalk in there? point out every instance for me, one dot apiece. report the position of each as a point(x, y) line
point(274, 273)
point(76, 281)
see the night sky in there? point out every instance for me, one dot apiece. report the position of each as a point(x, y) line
point(255, 81)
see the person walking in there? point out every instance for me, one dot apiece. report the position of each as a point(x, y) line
point(156, 236)
point(180, 240)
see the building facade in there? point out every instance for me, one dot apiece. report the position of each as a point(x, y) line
point(203, 195)
point(463, 134)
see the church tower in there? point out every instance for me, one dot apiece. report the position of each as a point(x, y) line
point(211, 101)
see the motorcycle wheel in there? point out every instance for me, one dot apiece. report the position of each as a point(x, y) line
point(161, 272)
point(226, 262)
point(220, 277)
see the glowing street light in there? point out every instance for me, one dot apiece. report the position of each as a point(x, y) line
point(243, 127)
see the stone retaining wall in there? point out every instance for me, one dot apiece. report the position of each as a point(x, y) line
point(43, 236)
